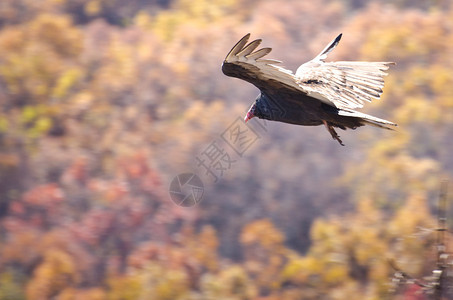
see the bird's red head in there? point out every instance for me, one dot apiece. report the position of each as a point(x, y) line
point(251, 113)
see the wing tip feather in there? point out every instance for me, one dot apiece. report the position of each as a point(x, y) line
point(238, 47)
point(243, 50)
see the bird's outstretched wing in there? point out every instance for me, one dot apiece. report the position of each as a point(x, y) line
point(245, 63)
point(343, 84)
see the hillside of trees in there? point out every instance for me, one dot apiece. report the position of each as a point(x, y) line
point(103, 103)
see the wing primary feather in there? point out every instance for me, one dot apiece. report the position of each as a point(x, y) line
point(260, 53)
point(249, 48)
point(376, 81)
point(238, 47)
point(269, 61)
point(375, 92)
point(329, 48)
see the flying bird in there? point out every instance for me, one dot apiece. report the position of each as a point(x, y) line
point(318, 93)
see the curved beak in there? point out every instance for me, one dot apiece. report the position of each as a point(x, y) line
point(249, 114)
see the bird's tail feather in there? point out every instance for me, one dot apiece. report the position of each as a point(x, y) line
point(368, 119)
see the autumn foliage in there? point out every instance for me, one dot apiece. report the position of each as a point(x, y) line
point(102, 103)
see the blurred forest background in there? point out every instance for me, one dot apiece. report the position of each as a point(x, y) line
point(103, 102)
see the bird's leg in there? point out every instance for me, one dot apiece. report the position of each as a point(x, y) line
point(332, 132)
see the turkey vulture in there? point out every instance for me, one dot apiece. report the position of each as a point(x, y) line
point(319, 93)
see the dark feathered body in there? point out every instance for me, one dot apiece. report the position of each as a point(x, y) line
point(295, 108)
